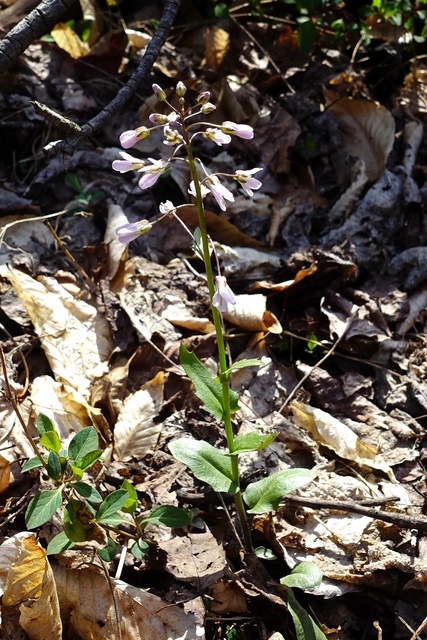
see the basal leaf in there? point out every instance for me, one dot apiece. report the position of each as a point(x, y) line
point(305, 575)
point(253, 442)
point(265, 495)
point(50, 441)
point(112, 504)
point(59, 543)
point(305, 627)
point(42, 507)
point(206, 462)
point(44, 424)
point(168, 516)
point(85, 441)
point(87, 491)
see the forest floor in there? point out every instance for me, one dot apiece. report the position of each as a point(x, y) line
point(329, 262)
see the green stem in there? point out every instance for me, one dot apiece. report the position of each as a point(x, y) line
point(220, 342)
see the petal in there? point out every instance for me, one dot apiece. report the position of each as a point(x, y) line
point(219, 303)
point(148, 180)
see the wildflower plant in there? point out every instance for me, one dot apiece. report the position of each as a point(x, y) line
point(220, 469)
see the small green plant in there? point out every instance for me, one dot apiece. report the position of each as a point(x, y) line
point(84, 510)
point(83, 197)
point(305, 575)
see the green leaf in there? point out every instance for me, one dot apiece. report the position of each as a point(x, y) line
point(44, 424)
point(72, 181)
point(305, 575)
point(241, 364)
point(263, 553)
point(221, 11)
point(50, 441)
point(305, 627)
point(132, 503)
point(108, 553)
point(89, 459)
point(53, 466)
point(32, 463)
point(207, 389)
point(253, 442)
point(85, 441)
point(78, 473)
point(114, 520)
point(77, 521)
point(42, 507)
point(87, 492)
point(197, 245)
point(306, 34)
point(266, 494)
point(59, 543)
point(206, 462)
point(112, 504)
point(139, 549)
point(168, 516)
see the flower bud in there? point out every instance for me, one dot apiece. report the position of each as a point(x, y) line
point(158, 118)
point(181, 89)
point(160, 94)
point(203, 97)
point(208, 107)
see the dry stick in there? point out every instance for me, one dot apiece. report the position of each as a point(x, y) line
point(39, 22)
point(67, 146)
point(10, 396)
point(400, 519)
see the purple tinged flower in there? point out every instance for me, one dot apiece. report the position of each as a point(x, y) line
point(129, 163)
point(131, 137)
point(157, 118)
point(223, 294)
point(160, 94)
point(219, 192)
point(152, 172)
point(217, 136)
point(239, 130)
point(203, 97)
point(244, 178)
point(132, 230)
point(181, 89)
point(172, 137)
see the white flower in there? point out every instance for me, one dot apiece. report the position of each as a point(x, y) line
point(244, 178)
point(153, 172)
point(166, 207)
point(129, 163)
point(217, 136)
point(223, 294)
point(172, 137)
point(219, 192)
point(203, 189)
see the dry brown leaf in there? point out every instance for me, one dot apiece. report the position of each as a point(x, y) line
point(27, 581)
point(335, 435)
point(179, 315)
point(136, 433)
point(413, 95)
point(368, 129)
point(74, 335)
point(250, 313)
point(88, 606)
point(217, 41)
point(5, 465)
point(68, 40)
point(228, 598)
point(246, 262)
point(282, 286)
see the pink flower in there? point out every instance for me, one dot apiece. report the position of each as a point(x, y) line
point(160, 94)
point(131, 137)
point(129, 163)
point(223, 294)
point(217, 136)
point(203, 97)
point(132, 230)
point(208, 107)
point(246, 181)
point(219, 192)
point(239, 130)
point(152, 172)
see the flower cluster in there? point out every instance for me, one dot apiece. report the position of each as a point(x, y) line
point(179, 132)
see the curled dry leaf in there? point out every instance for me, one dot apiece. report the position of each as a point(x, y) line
point(282, 286)
point(228, 598)
point(217, 41)
point(5, 465)
point(335, 435)
point(27, 584)
point(250, 313)
point(368, 129)
point(68, 40)
point(180, 316)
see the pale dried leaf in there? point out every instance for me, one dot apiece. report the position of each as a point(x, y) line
point(117, 252)
point(368, 129)
point(20, 236)
point(283, 286)
point(412, 137)
point(345, 203)
point(73, 334)
point(5, 465)
point(178, 314)
point(136, 433)
point(228, 598)
point(217, 41)
point(245, 262)
point(28, 584)
point(335, 435)
point(88, 607)
point(68, 40)
point(417, 305)
point(138, 39)
point(250, 313)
